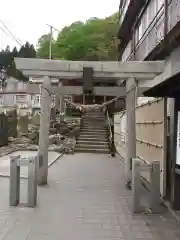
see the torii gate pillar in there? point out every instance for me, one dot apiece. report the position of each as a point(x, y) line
point(131, 88)
point(44, 132)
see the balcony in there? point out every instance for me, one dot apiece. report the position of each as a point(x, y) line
point(151, 37)
point(154, 42)
point(128, 14)
point(173, 14)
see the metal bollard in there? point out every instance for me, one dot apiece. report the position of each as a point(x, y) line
point(15, 164)
point(154, 202)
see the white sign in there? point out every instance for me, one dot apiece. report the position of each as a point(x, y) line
point(178, 140)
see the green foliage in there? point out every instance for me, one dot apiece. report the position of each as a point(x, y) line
point(93, 40)
point(43, 44)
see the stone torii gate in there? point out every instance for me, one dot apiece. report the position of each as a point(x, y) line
point(133, 72)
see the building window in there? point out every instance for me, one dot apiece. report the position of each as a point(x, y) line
point(38, 99)
point(53, 98)
point(1, 100)
point(1, 85)
point(144, 22)
point(20, 98)
point(139, 33)
point(152, 10)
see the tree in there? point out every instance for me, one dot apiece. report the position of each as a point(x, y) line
point(27, 51)
point(7, 59)
point(7, 49)
point(15, 52)
point(93, 40)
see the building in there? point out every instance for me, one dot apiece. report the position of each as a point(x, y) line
point(35, 84)
point(23, 96)
point(150, 30)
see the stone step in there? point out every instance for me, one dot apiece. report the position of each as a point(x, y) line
point(90, 136)
point(95, 124)
point(94, 146)
point(86, 150)
point(93, 113)
point(93, 138)
point(93, 116)
point(92, 142)
point(102, 126)
point(83, 150)
point(98, 119)
point(93, 130)
point(93, 134)
point(93, 121)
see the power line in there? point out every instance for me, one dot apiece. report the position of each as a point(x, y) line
point(12, 36)
point(17, 40)
point(5, 32)
point(7, 35)
point(53, 28)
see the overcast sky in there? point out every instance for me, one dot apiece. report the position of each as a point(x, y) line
point(27, 19)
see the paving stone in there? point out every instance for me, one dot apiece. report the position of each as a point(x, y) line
point(85, 200)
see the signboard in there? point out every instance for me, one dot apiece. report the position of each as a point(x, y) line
point(178, 140)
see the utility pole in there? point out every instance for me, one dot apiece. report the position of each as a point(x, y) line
point(50, 42)
point(50, 39)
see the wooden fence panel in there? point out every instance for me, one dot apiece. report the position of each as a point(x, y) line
point(150, 134)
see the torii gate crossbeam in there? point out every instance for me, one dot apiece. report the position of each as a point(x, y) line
point(133, 72)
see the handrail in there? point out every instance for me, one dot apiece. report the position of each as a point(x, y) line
point(122, 136)
point(109, 125)
point(111, 133)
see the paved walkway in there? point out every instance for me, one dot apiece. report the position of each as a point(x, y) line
point(85, 200)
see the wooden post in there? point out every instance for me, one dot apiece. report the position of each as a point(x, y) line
point(58, 100)
point(44, 132)
point(84, 99)
point(130, 127)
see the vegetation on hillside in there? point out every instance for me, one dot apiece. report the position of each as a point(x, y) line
point(93, 40)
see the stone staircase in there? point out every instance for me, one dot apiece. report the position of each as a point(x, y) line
point(93, 136)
